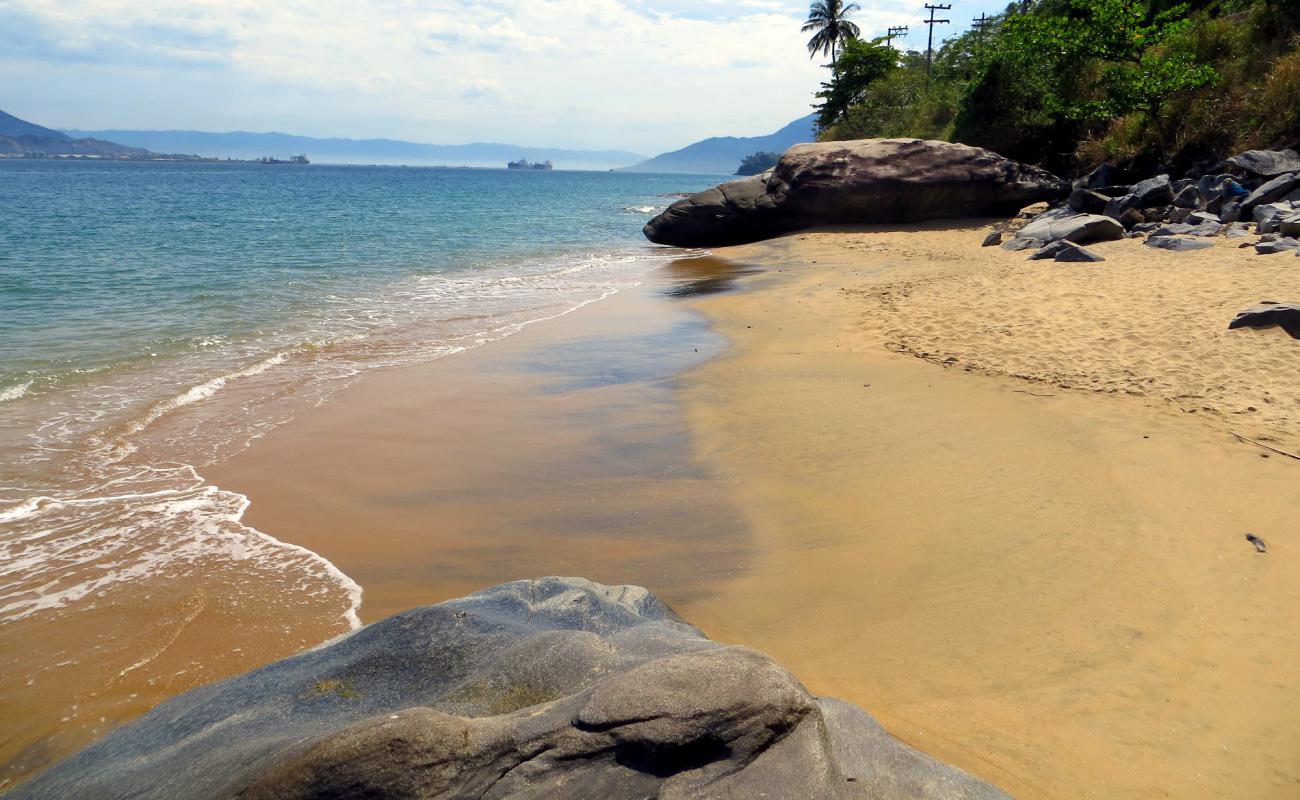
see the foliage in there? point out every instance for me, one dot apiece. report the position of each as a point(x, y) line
point(828, 21)
point(860, 65)
point(1069, 83)
point(761, 161)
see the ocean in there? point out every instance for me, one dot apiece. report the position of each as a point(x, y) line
point(156, 318)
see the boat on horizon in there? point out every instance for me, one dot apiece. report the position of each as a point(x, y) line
point(524, 163)
point(299, 159)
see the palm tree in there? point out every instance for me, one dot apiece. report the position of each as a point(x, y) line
point(829, 18)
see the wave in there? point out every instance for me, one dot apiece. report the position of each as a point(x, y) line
point(130, 503)
point(15, 392)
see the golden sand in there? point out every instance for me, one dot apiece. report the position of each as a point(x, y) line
point(1035, 569)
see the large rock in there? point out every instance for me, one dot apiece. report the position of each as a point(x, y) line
point(557, 687)
point(1267, 163)
point(1064, 224)
point(1269, 313)
point(856, 182)
point(1280, 188)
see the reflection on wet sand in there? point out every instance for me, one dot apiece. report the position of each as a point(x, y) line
point(560, 452)
point(700, 275)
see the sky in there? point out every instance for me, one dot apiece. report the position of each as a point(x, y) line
point(640, 75)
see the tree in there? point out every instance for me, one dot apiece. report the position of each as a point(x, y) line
point(860, 65)
point(829, 21)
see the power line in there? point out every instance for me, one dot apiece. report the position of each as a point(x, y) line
point(897, 30)
point(929, 45)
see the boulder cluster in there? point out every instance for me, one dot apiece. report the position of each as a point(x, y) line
point(1256, 192)
point(549, 688)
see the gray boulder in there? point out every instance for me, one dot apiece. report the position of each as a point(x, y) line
point(1177, 243)
point(1157, 191)
point(1076, 254)
point(1087, 201)
point(557, 687)
point(1290, 226)
point(1118, 207)
point(1062, 223)
point(993, 239)
point(1277, 189)
point(1268, 217)
point(1282, 245)
point(1269, 313)
point(1097, 179)
point(1187, 197)
point(1267, 163)
point(856, 182)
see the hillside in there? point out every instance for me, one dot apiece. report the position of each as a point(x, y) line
point(721, 155)
point(18, 136)
point(1146, 85)
point(247, 145)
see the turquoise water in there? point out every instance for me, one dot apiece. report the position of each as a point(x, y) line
point(156, 318)
point(107, 264)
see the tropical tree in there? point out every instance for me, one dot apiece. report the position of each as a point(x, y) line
point(831, 27)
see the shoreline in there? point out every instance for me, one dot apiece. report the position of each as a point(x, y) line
point(1046, 586)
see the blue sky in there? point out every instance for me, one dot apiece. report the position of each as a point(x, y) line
point(642, 75)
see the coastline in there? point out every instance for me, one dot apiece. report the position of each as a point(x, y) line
point(1044, 585)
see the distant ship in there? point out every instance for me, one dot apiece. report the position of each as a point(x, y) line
point(292, 160)
point(524, 163)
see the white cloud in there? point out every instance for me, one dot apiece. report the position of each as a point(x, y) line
point(629, 74)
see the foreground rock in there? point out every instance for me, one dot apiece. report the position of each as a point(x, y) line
point(535, 689)
point(855, 182)
point(1269, 313)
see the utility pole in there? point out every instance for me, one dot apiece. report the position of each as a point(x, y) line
point(898, 30)
point(979, 24)
point(929, 45)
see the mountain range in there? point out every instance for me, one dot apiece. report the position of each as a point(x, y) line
point(721, 155)
point(715, 156)
point(246, 145)
point(18, 136)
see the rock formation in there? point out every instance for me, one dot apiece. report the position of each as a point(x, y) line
point(1269, 313)
point(855, 182)
point(551, 688)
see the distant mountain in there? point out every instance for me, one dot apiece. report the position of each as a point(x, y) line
point(18, 136)
point(245, 145)
point(721, 155)
point(11, 127)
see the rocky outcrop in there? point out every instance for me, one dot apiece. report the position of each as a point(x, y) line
point(557, 687)
point(855, 182)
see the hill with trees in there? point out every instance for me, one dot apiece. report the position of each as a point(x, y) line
point(1070, 84)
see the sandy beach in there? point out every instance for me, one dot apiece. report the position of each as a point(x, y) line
point(999, 503)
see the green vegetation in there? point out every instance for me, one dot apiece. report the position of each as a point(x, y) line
point(761, 161)
point(1072, 83)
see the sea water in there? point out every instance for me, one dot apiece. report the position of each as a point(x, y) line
point(158, 317)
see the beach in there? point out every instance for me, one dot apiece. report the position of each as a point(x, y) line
point(999, 503)
point(996, 502)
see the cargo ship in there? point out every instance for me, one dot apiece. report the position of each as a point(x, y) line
point(292, 160)
point(524, 163)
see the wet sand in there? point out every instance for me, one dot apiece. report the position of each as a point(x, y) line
point(1018, 570)
point(561, 450)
